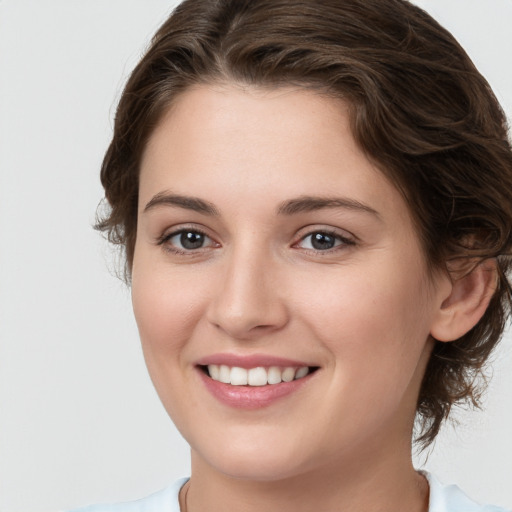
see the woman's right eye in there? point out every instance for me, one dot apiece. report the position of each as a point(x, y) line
point(186, 240)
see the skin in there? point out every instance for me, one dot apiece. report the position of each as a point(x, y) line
point(362, 311)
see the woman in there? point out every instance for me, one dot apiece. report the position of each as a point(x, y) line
point(315, 200)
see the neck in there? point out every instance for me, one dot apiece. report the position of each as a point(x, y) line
point(362, 485)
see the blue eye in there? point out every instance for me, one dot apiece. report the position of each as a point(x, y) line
point(323, 241)
point(187, 240)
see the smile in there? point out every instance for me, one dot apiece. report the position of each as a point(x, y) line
point(258, 376)
point(253, 381)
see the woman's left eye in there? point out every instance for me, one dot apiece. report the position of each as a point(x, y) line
point(323, 241)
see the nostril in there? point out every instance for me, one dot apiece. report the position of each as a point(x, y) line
point(245, 309)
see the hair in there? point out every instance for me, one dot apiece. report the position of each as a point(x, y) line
point(418, 107)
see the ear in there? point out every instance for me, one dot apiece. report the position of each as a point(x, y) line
point(467, 301)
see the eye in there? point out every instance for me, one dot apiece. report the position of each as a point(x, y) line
point(323, 241)
point(186, 240)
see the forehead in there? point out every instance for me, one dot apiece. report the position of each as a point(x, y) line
point(237, 117)
point(230, 144)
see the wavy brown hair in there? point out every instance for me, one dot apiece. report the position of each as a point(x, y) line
point(418, 108)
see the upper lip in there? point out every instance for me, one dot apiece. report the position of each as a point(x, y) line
point(250, 361)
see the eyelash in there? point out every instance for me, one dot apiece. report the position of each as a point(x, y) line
point(165, 239)
point(344, 241)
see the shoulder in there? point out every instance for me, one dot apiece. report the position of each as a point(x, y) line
point(166, 499)
point(450, 498)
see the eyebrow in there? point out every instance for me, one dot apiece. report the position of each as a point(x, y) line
point(309, 203)
point(291, 207)
point(187, 202)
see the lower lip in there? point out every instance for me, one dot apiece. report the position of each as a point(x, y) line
point(251, 397)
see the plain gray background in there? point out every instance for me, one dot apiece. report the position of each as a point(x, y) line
point(79, 419)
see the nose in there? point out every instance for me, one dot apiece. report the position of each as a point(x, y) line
point(249, 302)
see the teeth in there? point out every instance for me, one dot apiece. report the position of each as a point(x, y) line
point(288, 374)
point(214, 371)
point(258, 376)
point(301, 372)
point(224, 374)
point(238, 376)
point(274, 375)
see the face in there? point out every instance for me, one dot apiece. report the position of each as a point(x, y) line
point(279, 287)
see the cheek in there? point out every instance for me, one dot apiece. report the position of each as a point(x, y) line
point(166, 308)
point(376, 321)
point(367, 300)
point(167, 312)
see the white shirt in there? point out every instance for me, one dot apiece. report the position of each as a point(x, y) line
point(443, 498)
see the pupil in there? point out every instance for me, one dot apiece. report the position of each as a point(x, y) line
point(322, 241)
point(191, 240)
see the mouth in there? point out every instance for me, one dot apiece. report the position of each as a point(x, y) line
point(256, 377)
point(253, 381)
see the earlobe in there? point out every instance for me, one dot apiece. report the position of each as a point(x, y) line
point(466, 303)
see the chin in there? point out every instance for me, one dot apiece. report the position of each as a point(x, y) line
point(264, 469)
point(247, 461)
